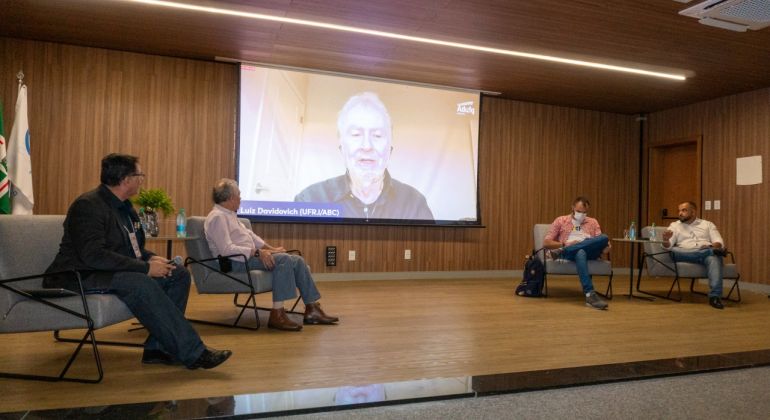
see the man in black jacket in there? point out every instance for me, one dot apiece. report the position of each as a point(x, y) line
point(103, 239)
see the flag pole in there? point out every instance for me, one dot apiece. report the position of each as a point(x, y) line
point(19, 160)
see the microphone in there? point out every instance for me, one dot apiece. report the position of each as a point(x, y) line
point(177, 261)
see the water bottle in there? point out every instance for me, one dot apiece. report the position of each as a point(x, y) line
point(181, 224)
point(143, 220)
point(653, 234)
point(632, 231)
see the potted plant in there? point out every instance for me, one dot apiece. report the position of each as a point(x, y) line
point(151, 202)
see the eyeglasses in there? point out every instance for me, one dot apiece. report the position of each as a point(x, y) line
point(138, 174)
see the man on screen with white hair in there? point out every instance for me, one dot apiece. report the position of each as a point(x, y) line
point(366, 190)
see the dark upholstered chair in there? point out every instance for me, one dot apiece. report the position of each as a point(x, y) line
point(209, 279)
point(567, 267)
point(28, 245)
point(659, 263)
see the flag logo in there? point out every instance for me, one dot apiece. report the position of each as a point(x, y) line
point(5, 183)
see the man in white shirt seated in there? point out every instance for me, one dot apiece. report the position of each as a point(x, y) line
point(698, 241)
point(227, 236)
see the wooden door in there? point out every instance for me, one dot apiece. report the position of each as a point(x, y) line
point(674, 177)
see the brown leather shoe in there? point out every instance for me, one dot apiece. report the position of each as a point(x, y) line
point(315, 315)
point(280, 321)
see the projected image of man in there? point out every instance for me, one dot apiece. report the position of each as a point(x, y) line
point(366, 189)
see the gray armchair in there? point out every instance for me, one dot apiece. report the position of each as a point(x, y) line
point(29, 244)
point(210, 279)
point(659, 263)
point(567, 267)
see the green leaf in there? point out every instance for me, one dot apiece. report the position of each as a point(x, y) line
point(155, 199)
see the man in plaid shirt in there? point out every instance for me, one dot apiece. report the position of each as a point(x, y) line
point(577, 237)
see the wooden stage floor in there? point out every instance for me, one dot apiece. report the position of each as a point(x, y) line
point(396, 331)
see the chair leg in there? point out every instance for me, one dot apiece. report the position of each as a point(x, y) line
point(692, 288)
point(296, 302)
point(667, 296)
point(736, 287)
point(251, 303)
point(608, 293)
point(88, 337)
point(58, 337)
point(678, 289)
point(290, 311)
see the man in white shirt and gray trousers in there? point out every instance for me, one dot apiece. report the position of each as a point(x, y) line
point(698, 241)
point(227, 236)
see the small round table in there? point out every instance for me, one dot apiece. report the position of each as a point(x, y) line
point(169, 240)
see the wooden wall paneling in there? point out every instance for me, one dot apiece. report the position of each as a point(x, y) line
point(732, 127)
point(178, 116)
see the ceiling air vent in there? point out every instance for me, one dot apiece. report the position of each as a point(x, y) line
point(735, 15)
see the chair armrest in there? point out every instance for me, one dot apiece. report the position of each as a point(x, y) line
point(191, 260)
point(653, 255)
point(5, 284)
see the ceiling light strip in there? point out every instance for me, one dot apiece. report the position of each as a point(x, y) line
point(419, 39)
point(355, 76)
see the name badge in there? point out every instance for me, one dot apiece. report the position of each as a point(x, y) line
point(135, 244)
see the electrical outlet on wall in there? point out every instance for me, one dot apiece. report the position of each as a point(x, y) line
point(407, 254)
point(707, 205)
point(717, 204)
point(351, 255)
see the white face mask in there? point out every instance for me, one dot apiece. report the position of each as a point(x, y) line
point(579, 216)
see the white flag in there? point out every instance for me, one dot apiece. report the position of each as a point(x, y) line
point(19, 162)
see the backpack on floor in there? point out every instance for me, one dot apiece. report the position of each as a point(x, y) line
point(534, 277)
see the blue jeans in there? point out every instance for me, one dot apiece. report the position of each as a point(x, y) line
point(289, 274)
point(581, 252)
point(705, 257)
point(159, 304)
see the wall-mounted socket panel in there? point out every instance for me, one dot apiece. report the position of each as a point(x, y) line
point(351, 255)
point(407, 254)
point(331, 256)
point(717, 204)
point(707, 205)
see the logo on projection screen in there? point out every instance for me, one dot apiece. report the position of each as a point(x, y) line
point(466, 108)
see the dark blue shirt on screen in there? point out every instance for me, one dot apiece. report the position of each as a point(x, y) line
point(396, 201)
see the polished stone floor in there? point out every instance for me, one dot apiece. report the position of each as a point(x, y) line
point(330, 399)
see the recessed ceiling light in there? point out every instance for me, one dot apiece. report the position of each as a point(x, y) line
point(423, 40)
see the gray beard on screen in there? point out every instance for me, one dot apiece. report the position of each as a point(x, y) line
point(367, 188)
